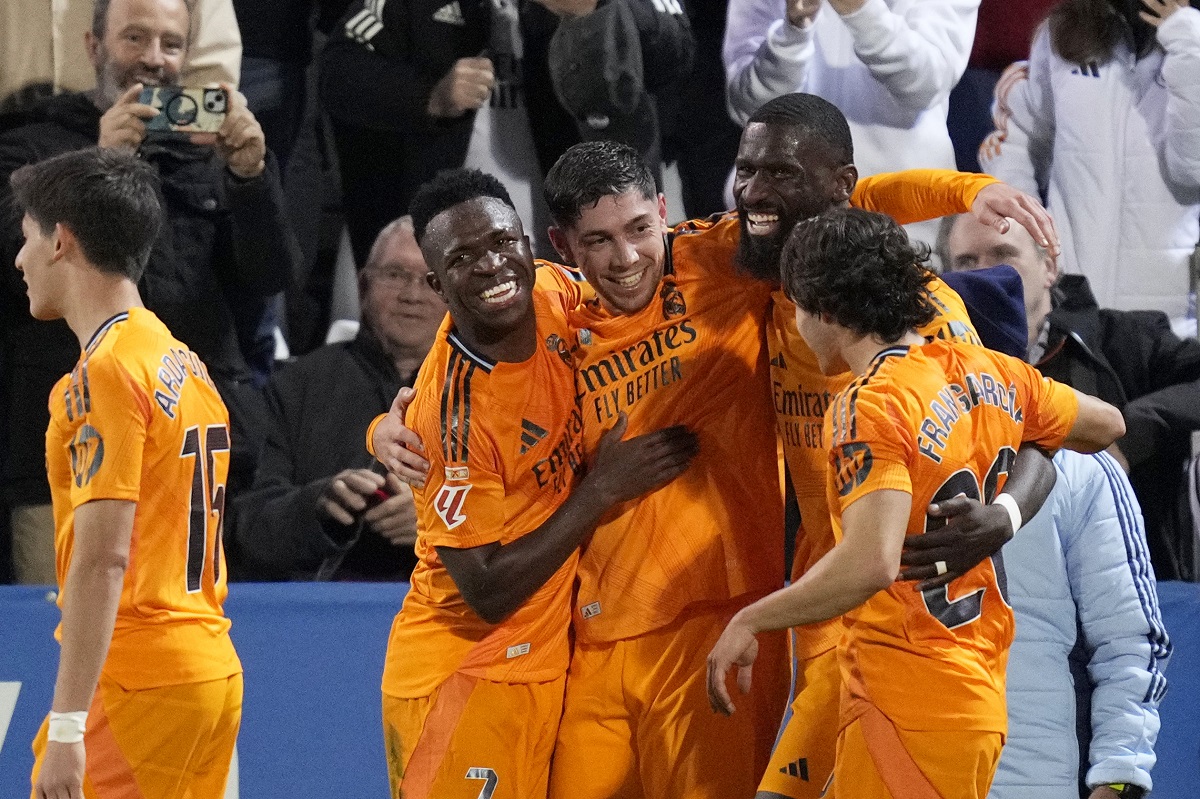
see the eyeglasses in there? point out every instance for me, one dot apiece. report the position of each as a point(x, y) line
point(396, 278)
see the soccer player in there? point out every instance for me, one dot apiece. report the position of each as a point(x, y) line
point(922, 708)
point(473, 681)
point(149, 691)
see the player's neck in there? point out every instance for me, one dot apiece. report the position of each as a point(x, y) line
point(94, 298)
point(859, 354)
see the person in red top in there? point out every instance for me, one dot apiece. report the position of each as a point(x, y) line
point(149, 692)
point(473, 682)
point(921, 423)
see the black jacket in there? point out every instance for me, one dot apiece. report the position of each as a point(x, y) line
point(1132, 360)
point(319, 408)
point(385, 83)
point(224, 237)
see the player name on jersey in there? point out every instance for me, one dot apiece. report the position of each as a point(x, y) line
point(954, 401)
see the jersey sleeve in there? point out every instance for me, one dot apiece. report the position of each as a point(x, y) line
point(916, 195)
point(566, 285)
point(870, 449)
point(1051, 408)
point(953, 322)
point(462, 504)
point(106, 450)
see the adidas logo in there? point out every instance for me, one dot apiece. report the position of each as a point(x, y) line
point(797, 768)
point(450, 14)
point(778, 361)
point(531, 434)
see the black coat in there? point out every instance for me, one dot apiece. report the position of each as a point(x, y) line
point(320, 407)
point(224, 238)
point(1132, 360)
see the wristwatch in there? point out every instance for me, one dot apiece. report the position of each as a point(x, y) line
point(1127, 790)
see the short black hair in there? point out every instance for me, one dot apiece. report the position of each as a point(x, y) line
point(859, 268)
point(588, 171)
point(814, 115)
point(449, 188)
point(108, 198)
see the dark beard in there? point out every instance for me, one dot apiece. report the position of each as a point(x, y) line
point(759, 258)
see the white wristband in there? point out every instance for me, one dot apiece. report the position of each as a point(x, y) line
point(1010, 505)
point(67, 728)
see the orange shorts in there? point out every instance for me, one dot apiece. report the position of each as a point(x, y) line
point(802, 762)
point(472, 739)
point(876, 760)
point(173, 741)
point(637, 722)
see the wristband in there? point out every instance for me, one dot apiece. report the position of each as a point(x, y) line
point(1009, 504)
point(67, 728)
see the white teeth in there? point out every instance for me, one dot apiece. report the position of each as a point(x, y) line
point(500, 293)
point(762, 219)
point(629, 281)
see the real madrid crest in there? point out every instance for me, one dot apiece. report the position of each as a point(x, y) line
point(555, 343)
point(585, 337)
point(672, 297)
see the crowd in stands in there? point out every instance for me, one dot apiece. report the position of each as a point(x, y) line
point(346, 107)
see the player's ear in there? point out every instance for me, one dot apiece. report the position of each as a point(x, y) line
point(662, 210)
point(65, 242)
point(845, 179)
point(558, 238)
point(436, 284)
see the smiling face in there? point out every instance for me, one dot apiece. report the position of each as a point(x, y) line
point(397, 303)
point(144, 41)
point(618, 245)
point(784, 174)
point(481, 265)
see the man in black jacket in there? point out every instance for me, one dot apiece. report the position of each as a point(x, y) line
point(312, 511)
point(1130, 359)
point(226, 235)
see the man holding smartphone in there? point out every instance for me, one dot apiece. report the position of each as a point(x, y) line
point(226, 236)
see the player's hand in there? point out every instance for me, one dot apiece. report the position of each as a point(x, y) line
point(801, 12)
point(348, 494)
point(999, 205)
point(737, 646)
point(1157, 11)
point(61, 776)
point(396, 517)
point(973, 532)
point(464, 88)
point(626, 469)
point(240, 140)
point(397, 447)
point(844, 7)
point(1103, 792)
point(124, 125)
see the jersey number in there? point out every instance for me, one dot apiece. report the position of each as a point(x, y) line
point(966, 609)
point(489, 780)
point(206, 499)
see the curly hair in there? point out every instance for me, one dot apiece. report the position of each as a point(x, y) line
point(859, 268)
point(449, 188)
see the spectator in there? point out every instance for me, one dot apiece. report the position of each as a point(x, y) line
point(1105, 119)
point(409, 95)
point(308, 513)
point(1090, 638)
point(225, 234)
point(889, 65)
point(1131, 359)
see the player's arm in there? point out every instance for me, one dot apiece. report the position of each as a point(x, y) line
point(916, 195)
point(395, 445)
point(975, 531)
point(91, 593)
point(865, 562)
point(495, 579)
point(1097, 425)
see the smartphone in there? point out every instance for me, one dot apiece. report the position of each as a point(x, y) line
point(185, 110)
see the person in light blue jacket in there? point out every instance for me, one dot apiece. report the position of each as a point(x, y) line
point(1085, 672)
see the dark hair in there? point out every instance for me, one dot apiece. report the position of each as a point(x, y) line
point(1089, 30)
point(591, 170)
point(813, 114)
point(859, 268)
point(100, 17)
point(108, 198)
point(449, 188)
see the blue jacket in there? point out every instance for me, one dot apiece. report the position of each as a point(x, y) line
point(1083, 592)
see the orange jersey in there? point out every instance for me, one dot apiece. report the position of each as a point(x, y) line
point(139, 420)
point(504, 443)
point(935, 421)
point(695, 356)
point(801, 394)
